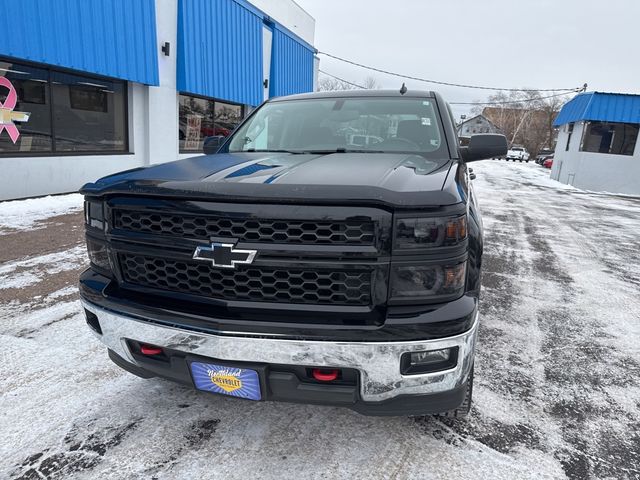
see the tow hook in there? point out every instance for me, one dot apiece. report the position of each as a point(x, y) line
point(324, 374)
point(150, 350)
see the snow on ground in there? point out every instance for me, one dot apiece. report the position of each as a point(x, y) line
point(22, 273)
point(557, 391)
point(29, 214)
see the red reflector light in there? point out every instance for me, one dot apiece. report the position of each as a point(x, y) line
point(323, 375)
point(149, 350)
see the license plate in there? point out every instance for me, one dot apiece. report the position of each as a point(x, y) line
point(236, 382)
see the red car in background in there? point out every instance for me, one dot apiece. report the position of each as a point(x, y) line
point(548, 162)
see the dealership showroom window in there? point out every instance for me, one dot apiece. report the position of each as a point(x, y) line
point(69, 113)
point(204, 117)
point(79, 114)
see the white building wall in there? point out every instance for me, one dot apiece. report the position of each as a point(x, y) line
point(598, 172)
point(162, 137)
point(291, 15)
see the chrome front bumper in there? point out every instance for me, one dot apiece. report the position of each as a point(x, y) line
point(377, 362)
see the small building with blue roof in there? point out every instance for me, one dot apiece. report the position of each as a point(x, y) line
point(597, 145)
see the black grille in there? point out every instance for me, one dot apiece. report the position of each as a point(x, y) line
point(248, 230)
point(264, 284)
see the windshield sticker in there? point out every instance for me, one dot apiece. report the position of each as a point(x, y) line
point(426, 121)
point(426, 103)
point(7, 115)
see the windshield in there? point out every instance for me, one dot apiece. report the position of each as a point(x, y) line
point(371, 124)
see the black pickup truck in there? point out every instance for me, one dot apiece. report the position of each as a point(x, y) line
point(329, 253)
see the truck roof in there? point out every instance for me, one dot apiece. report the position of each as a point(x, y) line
point(359, 93)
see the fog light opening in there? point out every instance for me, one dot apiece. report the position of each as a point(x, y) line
point(92, 321)
point(428, 361)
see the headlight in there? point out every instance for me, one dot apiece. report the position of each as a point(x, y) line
point(418, 233)
point(98, 255)
point(413, 283)
point(97, 249)
point(94, 214)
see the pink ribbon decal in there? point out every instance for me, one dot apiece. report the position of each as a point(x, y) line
point(7, 115)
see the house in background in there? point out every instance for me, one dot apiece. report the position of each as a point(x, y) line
point(93, 87)
point(475, 125)
point(597, 144)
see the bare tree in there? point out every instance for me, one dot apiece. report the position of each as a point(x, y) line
point(371, 83)
point(328, 83)
point(525, 117)
point(476, 109)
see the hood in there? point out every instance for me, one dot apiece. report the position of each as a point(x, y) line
point(337, 178)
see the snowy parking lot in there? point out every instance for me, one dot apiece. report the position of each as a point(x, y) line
point(557, 391)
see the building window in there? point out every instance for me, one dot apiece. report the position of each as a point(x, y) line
point(613, 138)
point(89, 115)
point(569, 134)
point(205, 117)
point(68, 113)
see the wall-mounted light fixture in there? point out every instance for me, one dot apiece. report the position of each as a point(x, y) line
point(166, 49)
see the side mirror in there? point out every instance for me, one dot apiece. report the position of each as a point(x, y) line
point(212, 144)
point(483, 146)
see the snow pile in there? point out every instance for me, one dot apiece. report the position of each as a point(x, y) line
point(30, 214)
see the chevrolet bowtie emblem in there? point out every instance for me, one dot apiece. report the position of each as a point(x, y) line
point(224, 255)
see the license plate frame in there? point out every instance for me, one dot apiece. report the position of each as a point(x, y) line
point(225, 379)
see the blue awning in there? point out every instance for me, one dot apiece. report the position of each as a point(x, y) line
point(291, 65)
point(114, 38)
point(604, 107)
point(220, 53)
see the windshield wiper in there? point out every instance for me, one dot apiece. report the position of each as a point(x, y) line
point(342, 150)
point(253, 150)
point(312, 152)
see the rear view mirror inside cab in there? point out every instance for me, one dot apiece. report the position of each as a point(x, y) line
point(344, 115)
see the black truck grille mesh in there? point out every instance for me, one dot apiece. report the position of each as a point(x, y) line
point(253, 284)
point(247, 230)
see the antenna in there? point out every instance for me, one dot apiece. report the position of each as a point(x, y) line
point(403, 89)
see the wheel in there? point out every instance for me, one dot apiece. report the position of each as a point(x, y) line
point(520, 160)
point(464, 409)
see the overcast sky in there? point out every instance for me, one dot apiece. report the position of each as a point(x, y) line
point(504, 43)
